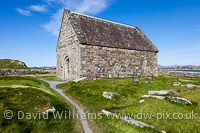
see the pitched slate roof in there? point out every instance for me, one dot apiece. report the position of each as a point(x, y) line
point(99, 32)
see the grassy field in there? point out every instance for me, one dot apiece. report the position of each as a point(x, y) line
point(89, 95)
point(31, 95)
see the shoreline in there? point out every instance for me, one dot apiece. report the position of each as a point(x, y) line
point(180, 73)
point(182, 70)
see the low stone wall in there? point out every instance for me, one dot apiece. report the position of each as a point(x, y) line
point(5, 72)
point(180, 74)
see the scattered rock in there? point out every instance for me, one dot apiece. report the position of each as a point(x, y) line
point(47, 99)
point(171, 99)
point(145, 82)
point(159, 97)
point(141, 101)
point(110, 76)
point(191, 85)
point(131, 121)
point(187, 85)
point(49, 110)
point(104, 112)
point(81, 79)
point(48, 104)
point(21, 64)
point(146, 96)
point(109, 95)
point(147, 78)
point(19, 93)
point(163, 92)
point(178, 100)
point(185, 80)
point(177, 84)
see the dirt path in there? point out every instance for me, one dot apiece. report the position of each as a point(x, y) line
point(84, 123)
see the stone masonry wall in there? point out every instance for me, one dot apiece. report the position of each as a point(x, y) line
point(68, 48)
point(109, 62)
point(5, 72)
point(180, 74)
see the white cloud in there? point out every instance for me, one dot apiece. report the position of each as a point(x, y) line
point(38, 8)
point(188, 55)
point(23, 12)
point(197, 30)
point(192, 48)
point(183, 56)
point(53, 26)
point(90, 7)
point(196, 47)
point(49, 1)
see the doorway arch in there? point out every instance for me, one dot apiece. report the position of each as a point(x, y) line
point(66, 68)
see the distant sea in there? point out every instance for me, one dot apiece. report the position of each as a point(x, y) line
point(186, 70)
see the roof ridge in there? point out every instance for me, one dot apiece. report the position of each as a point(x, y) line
point(104, 20)
point(99, 32)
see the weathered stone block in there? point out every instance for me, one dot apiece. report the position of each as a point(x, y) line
point(109, 95)
point(163, 92)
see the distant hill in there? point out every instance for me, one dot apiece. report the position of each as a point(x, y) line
point(54, 67)
point(160, 65)
point(188, 67)
point(175, 65)
point(191, 65)
point(9, 63)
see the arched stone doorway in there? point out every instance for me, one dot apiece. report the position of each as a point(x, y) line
point(66, 68)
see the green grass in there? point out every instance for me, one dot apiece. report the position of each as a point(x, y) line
point(49, 77)
point(32, 96)
point(89, 95)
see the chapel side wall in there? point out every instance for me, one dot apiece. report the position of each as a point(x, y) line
point(68, 46)
point(109, 62)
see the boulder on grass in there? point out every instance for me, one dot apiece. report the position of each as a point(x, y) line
point(178, 100)
point(163, 92)
point(177, 84)
point(159, 97)
point(191, 86)
point(49, 110)
point(109, 95)
point(141, 101)
point(146, 96)
point(81, 79)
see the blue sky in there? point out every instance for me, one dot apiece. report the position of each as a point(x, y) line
point(29, 28)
